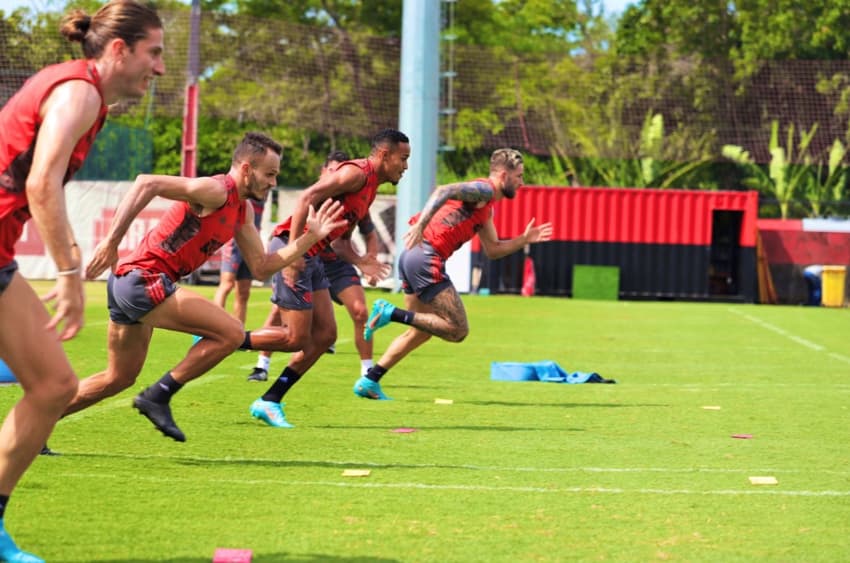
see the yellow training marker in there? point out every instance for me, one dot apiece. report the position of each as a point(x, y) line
point(711, 408)
point(356, 473)
point(443, 402)
point(764, 481)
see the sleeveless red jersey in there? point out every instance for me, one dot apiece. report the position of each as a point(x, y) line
point(455, 223)
point(355, 205)
point(19, 124)
point(182, 240)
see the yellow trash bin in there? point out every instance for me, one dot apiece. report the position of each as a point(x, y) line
point(834, 278)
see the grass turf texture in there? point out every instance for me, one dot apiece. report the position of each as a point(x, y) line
point(508, 472)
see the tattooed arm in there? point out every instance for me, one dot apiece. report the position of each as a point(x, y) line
point(474, 192)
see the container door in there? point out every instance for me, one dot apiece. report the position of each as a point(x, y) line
point(725, 252)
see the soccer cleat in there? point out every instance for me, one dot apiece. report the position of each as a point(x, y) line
point(382, 310)
point(369, 389)
point(45, 450)
point(270, 412)
point(11, 552)
point(331, 349)
point(160, 415)
point(259, 374)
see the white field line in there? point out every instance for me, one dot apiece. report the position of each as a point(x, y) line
point(780, 331)
point(473, 488)
point(469, 467)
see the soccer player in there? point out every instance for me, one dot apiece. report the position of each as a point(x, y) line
point(344, 286)
point(46, 130)
point(301, 289)
point(451, 216)
point(142, 292)
point(234, 272)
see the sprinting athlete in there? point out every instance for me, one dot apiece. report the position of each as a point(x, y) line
point(451, 216)
point(143, 293)
point(46, 130)
point(301, 290)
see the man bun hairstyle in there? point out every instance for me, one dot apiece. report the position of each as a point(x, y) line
point(128, 20)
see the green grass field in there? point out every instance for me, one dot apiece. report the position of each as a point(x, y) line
point(509, 472)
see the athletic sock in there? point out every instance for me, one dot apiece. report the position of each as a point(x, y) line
point(282, 384)
point(401, 316)
point(162, 390)
point(365, 365)
point(4, 500)
point(264, 362)
point(375, 373)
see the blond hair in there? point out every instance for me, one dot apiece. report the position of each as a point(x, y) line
point(509, 159)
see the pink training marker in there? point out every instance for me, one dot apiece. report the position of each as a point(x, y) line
point(742, 436)
point(404, 430)
point(224, 555)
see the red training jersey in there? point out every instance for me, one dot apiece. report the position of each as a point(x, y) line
point(183, 240)
point(355, 205)
point(455, 223)
point(19, 124)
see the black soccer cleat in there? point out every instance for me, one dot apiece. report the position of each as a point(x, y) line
point(160, 415)
point(259, 374)
point(47, 451)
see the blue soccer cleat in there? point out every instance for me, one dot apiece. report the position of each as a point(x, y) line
point(270, 412)
point(369, 389)
point(381, 312)
point(11, 552)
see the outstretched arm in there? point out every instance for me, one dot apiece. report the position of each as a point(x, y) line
point(495, 248)
point(262, 265)
point(475, 192)
point(204, 193)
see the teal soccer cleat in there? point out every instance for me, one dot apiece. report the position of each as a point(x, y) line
point(382, 311)
point(270, 412)
point(369, 389)
point(11, 552)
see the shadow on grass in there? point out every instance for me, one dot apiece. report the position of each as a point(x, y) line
point(558, 404)
point(276, 463)
point(258, 558)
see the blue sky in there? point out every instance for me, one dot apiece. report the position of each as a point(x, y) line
point(611, 6)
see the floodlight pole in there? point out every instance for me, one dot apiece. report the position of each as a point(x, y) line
point(418, 109)
point(188, 166)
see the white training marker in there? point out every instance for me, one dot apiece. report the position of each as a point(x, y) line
point(767, 480)
point(711, 408)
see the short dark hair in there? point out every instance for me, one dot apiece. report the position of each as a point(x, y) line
point(336, 156)
point(255, 145)
point(392, 137)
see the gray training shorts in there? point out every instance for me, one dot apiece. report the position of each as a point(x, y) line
point(131, 296)
point(423, 272)
point(299, 295)
point(7, 272)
